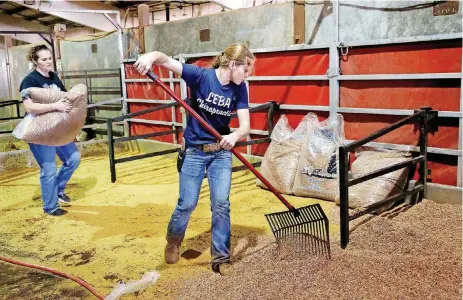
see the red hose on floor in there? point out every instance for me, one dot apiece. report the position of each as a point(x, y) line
point(78, 280)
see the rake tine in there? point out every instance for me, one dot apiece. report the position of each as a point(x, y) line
point(320, 235)
point(315, 232)
point(308, 230)
point(305, 228)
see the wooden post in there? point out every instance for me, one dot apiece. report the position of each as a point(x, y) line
point(143, 20)
point(299, 22)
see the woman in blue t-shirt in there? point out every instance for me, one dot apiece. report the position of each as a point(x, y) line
point(52, 184)
point(215, 94)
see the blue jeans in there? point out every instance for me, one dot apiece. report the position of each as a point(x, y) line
point(218, 166)
point(52, 184)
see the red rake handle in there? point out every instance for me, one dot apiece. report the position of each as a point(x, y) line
point(217, 135)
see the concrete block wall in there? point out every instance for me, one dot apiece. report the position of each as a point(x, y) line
point(261, 27)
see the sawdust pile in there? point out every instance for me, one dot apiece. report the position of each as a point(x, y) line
point(414, 255)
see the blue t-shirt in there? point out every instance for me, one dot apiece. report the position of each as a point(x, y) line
point(35, 79)
point(213, 101)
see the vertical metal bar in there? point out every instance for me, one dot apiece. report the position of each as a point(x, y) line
point(333, 70)
point(183, 95)
point(270, 113)
point(17, 110)
point(174, 119)
point(125, 109)
point(52, 43)
point(423, 171)
point(248, 147)
point(460, 131)
point(344, 195)
point(88, 88)
point(112, 164)
point(8, 72)
point(89, 77)
point(248, 138)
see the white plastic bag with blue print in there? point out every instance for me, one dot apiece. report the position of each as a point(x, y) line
point(317, 170)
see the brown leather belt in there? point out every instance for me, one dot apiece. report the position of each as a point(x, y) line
point(208, 147)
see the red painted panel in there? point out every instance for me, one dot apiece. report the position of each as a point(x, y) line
point(401, 94)
point(427, 57)
point(160, 115)
point(204, 62)
point(148, 91)
point(295, 117)
point(443, 169)
point(138, 129)
point(290, 92)
point(358, 126)
point(131, 72)
point(308, 62)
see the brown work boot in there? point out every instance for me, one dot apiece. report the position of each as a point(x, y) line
point(171, 253)
point(222, 269)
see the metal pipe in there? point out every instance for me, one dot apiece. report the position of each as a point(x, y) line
point(385, 170)
point(142, 112)
point(344, 195)
point(383, 131)
point(253, 142)
point(401, 76)
point(386, 201)
point(402, 40)
point(125, 108)
point(146, 155)
point(143, 136)
point(270, 117)
point(23, 32)
point(112, 163)
point(395, 112)
point(423, 171)
point(401, 147)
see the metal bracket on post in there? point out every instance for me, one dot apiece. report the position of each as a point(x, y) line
point(270, 124)
point(333, 72)
point(344, 49)
point(433, 120)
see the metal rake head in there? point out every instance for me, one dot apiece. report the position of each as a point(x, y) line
point(307, 231)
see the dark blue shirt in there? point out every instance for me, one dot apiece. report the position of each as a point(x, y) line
point(35, 79)
point(213, 101)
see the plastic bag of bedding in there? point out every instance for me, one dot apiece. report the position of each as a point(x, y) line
point(317, 169)
point(281, 158)
point(380, 188)
point(54, 128)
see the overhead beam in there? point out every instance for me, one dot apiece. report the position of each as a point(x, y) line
point(91, 13)
point(9, 23)
point(230, 4)
point(14, 11)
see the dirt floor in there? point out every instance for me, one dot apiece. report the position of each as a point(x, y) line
point(115, 232)
point(13, 145)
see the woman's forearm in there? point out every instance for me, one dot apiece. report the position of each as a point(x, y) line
point(38, 108)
